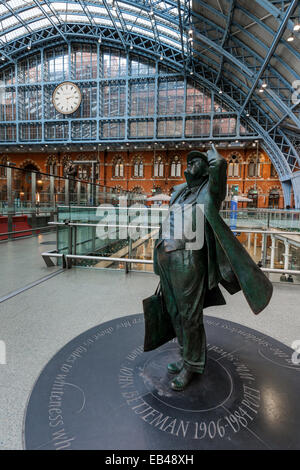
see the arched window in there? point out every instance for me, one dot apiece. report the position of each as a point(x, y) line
point(117, 189)
point(273, 171)
point(3, 172)
point(66, 159)
point(233, 167)
point(88, 169)
point(158, 167)
point(274, 199)
point(51, 165)
point(118, 168)
point(254, 167)
point(253, 195)
point(175, 167)
point(156, 190)
point(83, 172)
point(24, 183)
point(137, 190)
point(138, 168)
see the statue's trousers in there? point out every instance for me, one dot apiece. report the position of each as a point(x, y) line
point(184, 282)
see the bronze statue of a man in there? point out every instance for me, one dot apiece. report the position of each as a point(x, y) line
point(190, 278)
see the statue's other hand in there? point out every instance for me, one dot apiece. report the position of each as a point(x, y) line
point(212, 155)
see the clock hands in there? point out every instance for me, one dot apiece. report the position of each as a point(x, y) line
point(66, 100)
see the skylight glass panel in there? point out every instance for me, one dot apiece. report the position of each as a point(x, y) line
point(71, 7)
point(104, 21)
point(129, 7)
point(173, 12)
point(129, 17)
point(44, 23)
point(31, 13)
point(17, 4)
point(97, 10)
point(60, 6)
point(16, 33)
point(143, 22)
point(3, 9)
point(167, 31)
point(46, 9)
point(145, 32)
point(172, 43)
point(8, 22)
point(74, 18)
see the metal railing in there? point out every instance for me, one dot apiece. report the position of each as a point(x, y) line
point(277, 252)
point(11, 235)
point(37, 195)
point(268, 218)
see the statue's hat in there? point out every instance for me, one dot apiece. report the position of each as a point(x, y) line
point(196, 154)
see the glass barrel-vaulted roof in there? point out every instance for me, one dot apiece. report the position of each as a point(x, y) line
point(19, 17)
point(247, 41)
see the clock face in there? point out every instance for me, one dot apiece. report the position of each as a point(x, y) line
point(66, 98)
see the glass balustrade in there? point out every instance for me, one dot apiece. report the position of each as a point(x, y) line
point(264, 218)
point(31, 197)
point(120, 233)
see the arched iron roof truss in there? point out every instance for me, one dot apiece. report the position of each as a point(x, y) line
point(248, 52)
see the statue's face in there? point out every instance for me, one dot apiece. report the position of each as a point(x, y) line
point(196, 168)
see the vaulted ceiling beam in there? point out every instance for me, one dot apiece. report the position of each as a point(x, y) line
point(38, 4)
point(271, 51)
point(107, 6)
point(226, 35)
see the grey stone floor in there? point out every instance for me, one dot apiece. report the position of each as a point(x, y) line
point(21, 262)
point(38, 322)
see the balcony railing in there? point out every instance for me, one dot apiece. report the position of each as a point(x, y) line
point(104, 240)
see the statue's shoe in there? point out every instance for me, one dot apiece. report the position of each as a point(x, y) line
point(182, 380)
point(175, 367)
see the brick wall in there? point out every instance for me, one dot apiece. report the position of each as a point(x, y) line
point(148, 183)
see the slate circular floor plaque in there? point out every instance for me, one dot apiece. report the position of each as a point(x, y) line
point(101, 391)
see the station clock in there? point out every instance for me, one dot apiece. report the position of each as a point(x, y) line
point(66, 97)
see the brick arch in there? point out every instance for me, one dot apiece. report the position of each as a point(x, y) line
point(158, 166)
point(178, 158)
point(65, 158)
point(238, 154)
point(157, 189)
point(277, 187)
point(159, 156)
point(253, 156)
point(4, 159)
point(117, 164)
point(137, 158)
point(117, 188)
point(28, 161)
point(279, 195)
point(138, 189)
point(52, 160)
point(258, 189)
point(116, 158)
point(231, 170)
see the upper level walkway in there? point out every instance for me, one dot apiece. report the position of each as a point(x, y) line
point(38, 321)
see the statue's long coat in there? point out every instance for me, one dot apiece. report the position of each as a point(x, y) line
point(228, 262)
